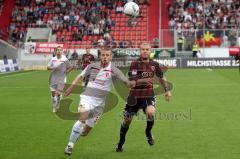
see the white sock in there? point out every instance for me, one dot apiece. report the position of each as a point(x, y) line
point(76, 132)
point(54, 101)
point(58, 101)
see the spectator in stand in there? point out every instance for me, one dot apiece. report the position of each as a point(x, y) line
point(101, 42)
point(74, 58)
point(155, 42)
point(119, 9)
point(219, 14)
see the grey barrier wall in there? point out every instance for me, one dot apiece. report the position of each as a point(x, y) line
point(187, 62)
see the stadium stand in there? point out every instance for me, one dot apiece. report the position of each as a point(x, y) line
point(188, 14)
point(93, 23)
point(1, 5)
point(81, 22)
point(222, 20)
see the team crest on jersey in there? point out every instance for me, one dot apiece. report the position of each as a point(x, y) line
point(153, 68)
point(107, 74)
point(134, 72)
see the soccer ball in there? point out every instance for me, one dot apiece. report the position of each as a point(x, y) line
point(151, 56)
point(131, 9)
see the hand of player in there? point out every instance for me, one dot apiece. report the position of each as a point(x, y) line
point(131, 84)
point(168, 95)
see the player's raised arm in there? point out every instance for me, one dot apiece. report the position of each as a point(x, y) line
point(77, 80)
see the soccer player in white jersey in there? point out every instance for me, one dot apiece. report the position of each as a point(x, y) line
point(92, 100)
point(60, 66)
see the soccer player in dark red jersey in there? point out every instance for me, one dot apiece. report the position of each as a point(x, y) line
point(87, 59)
point(142, 95)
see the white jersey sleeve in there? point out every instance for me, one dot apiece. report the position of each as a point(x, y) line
point(50, 63)
point(86, 71)
point(68, 64)
point(54, 63)
point(119, 75)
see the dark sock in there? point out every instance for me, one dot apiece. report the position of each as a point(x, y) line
point(150, 124)
point(123, 132)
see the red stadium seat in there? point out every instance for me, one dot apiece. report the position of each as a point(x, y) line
point(69, 33)
point(96, 37)
point(85, 38)
point(90, 38)
point(113, 15)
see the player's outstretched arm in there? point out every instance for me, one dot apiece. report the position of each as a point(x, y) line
point(119, 75)
point(69, 69)
point(130, 84)
point(73, 85)
point(164, 83)
point(50, 68)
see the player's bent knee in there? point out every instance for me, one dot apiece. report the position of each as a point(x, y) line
point(150, 111)
point(90, 123)
point(84, 116)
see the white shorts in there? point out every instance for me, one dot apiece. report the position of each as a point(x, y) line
point(57, 87)
point(57, 84)
point(94, 105)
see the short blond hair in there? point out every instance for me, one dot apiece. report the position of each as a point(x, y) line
point(106, 49)
point(144, 44)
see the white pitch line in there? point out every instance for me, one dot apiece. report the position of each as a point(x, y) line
point(24, 73)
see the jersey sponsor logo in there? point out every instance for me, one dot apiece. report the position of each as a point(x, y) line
point(147, 74)
point(107, 74)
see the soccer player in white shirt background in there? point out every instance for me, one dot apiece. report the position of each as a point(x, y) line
point(60, 66)
point(92, 100)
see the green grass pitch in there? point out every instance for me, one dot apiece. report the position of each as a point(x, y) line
point(210, 128)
